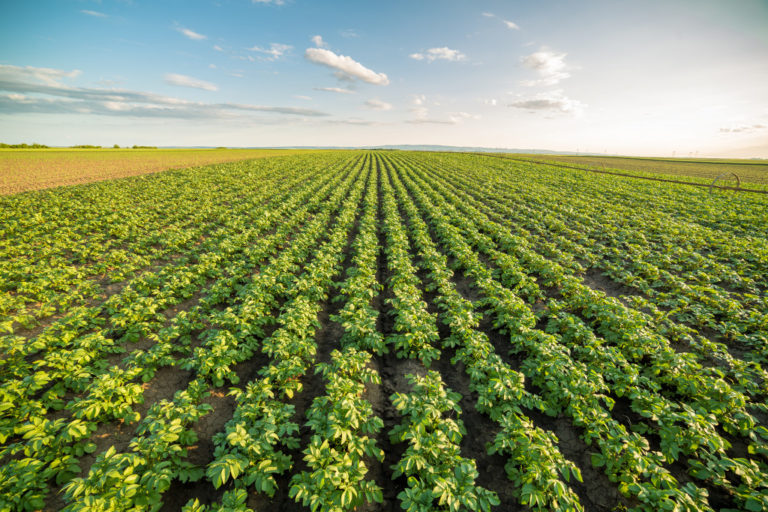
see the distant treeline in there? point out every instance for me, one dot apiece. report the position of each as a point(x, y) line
point(24, 145)
point(85, 146)
point(35, 145)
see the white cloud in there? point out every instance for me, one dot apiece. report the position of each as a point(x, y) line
point(318, 41)
point(744, 128)
point(95, 14)
point(551, 101)
point(509, 24)
point(443, 53)
point(54, 98)
point(302, 97)
point(346, 67)
point(212, 66)
point(191, 34)
point(457, 117)
point(47, 76)
point(419, 109)
point(376, 104)
point(166, 108)
point(218, 48)
point(276, 2)
point(420, 112)
point(188, 81)
point(116, 106)
point(550, 66)
point(491, 102)
point(274, 52)
point(338, 90)
point(354, 121)
point(349, 33)
point(429, 120)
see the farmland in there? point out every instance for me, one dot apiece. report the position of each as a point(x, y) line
point(383, 330)
point(23, 169)
point(752, 174)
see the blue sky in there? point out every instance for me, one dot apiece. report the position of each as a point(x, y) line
point(630, 77)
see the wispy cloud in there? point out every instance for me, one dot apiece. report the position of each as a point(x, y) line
point(302, 97)
point(191, 34)
point(47, 76)
point(349, 33)
point(200, 111)
point(274, 52)
point(550, 101)
point(458, 117)
point(419, 109)
point(377, 104)
point(744, 128)
point(95, 14)
point(218, 48)
point(274, 2)
point(509, 24)
point(452, 118)
point(188, 81)
point(19, 104)
point(346, 67)
point(421, 113)
point(426, 120)
point(549, 65)
point(443, 53)
point(318, 41)
point(31, 90)
point(338, 90)
point(354, 121)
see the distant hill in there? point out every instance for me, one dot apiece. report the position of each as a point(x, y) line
point(434, 147)
point(469, 149)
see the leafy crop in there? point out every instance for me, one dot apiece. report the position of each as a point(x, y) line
point(608, 337)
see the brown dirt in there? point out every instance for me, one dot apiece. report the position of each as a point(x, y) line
point(327, 339)
point(118, 434)
point(597, 492)
point(595, 279)
point(26, 169)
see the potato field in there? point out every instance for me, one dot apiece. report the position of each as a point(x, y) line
point(383, 330)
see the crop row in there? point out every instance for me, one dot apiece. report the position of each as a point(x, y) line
point(647, 341)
